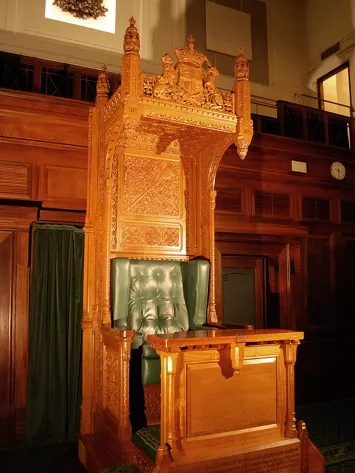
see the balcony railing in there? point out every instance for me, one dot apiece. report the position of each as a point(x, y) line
point(304, 123)
point(272, 117)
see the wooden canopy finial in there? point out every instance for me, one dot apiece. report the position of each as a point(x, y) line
point(131, 43)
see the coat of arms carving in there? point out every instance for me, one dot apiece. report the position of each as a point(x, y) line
point(83, 9)
point(190, 80)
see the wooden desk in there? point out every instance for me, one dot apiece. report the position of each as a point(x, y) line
point(228, 400)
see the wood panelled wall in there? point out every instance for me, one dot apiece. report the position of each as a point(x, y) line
point(43, 162)
point(304, 225)
point(260, 201)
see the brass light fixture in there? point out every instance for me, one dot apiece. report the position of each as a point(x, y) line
point(83, 9)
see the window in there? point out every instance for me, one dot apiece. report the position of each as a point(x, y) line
point(271, 205)
point(315, 209)
point(334, 91)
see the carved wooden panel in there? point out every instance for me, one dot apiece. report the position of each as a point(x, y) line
point(150, 205)
point(15, 180)
point(253, 391)
point(64, 187)
point(152, 401)
point(111, 381)
point(157, 193)
point(136, 234)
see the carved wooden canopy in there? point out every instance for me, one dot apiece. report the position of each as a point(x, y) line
point(155, 147)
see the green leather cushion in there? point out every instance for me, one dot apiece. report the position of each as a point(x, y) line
point(151, 370)
point(150, 365)
point(196, 276)
point(149, 352)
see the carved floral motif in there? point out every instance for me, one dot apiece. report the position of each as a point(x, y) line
point(152, 403)
point(149, 235)
point(113, 105)
point(151, 187)
point(114, 200)
point(110, 394)
point(198, 122)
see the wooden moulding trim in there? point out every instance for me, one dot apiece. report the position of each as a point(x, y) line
point(14, 217)
point(58, 119)
point(225, 224)
point(44, 144)
point(46, 99)
point(61, 216)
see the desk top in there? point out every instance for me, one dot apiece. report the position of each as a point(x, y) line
point(167, 342)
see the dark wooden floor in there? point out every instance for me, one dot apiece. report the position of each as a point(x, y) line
point(49, 459)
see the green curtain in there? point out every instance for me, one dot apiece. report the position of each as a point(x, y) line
point(55, 337)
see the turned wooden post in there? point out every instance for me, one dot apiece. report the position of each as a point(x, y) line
point(169, 412)
point(290, 350)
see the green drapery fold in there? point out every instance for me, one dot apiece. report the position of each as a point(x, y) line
point(55, 337)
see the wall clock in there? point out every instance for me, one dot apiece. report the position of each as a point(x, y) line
point(82, 9)
point(338, 170)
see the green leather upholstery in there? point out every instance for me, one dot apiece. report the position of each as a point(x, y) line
point(196, 276)
point(158, 297)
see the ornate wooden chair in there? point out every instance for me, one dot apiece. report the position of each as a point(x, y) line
point(154, 149)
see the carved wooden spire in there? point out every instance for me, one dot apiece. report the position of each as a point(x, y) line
point(131, 43)
point(102, 85)
point(241, 90)
point(131, 77)
point(241, 68)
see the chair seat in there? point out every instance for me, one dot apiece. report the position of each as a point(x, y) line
point(148, 439)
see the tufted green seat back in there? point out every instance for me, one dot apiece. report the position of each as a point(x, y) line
point(148, 296)
point(158, 297)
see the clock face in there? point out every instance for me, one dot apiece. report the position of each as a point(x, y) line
point(338, 170)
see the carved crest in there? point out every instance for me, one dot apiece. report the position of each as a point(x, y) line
point(190, 79)
point(83, 9)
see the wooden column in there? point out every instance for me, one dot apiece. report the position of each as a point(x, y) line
point(290, 351)
point(169, 411)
